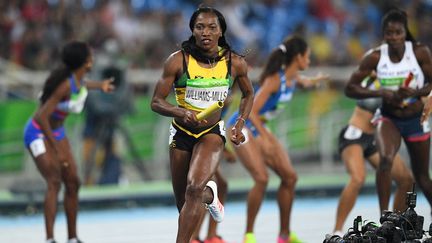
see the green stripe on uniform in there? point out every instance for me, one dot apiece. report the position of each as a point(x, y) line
point(207, 83)
point(391, 81)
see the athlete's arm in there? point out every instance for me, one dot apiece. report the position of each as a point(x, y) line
point(269, 86)
point(105, 85)
point(424, 58)
point(367, 65)
point(241, 77)
point(314, 81)
point(172, 67)
point(45, 111)
point(425, 61)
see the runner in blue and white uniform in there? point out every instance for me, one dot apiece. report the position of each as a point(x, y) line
point(261, 148)
point(64, 92)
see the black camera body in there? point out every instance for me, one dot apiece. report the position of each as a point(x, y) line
point(357, 234)
point(354, 239)
point(409, 223)
point(395, 227)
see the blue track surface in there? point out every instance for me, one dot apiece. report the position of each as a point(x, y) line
point(311, 220)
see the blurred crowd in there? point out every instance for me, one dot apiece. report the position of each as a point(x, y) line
point(146, 31)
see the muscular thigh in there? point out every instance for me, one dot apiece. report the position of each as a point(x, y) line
point(279, 160)
point(400, 171)
point(47, 163)
point(205, 158)
point(352, 155)
point(419, 156)
point(250, 155)
point(69, 170)
point(388, 138)
point(179, 166)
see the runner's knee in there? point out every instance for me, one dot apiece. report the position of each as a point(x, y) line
point(53, 183)
point(290, 179)
point(194, 191)
point(357, 181)
point(261, 179)
point(386, 163)
point(72, 185)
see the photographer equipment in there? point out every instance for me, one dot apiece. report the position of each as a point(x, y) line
point(395, 227)
point(409, 223)
point(412, 224)
point(357, 234)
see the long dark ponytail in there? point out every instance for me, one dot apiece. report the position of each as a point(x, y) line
point(73, 55)
point(399, 16)
point(189, 46)
point(283, 55)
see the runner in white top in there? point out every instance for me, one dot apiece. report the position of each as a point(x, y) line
point(395, 61)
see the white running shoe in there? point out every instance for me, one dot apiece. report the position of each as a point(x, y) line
point(216, 209)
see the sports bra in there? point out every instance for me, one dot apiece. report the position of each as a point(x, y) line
point(370, 104)
point(277, 101)
point(392, 75)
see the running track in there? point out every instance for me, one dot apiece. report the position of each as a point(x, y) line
point(312, 218)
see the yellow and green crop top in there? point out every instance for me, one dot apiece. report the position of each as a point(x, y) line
point(200, 87)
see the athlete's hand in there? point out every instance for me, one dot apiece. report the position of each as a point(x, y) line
point(388, 95)
point(318, 79)
point(392, 97)
point(190, 119)
point(405, 92)
point(314, 81)
point(426, 109)
point(237, 136)
point(107, 85)
point(373, 74)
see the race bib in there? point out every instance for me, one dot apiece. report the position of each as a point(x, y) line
point(426, 127)
point(76, 102)
point(222, 128)
point(37, 147)
point(201, 93)
point(246, 135)
point(352, 133)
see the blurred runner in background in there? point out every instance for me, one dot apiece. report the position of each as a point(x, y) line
point(399, 58)
point(357, 143)
point(261, 148)
point(64, 92)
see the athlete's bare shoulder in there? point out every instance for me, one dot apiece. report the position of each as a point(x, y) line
point(175, 57)
point(419, 46)
point(174, 63)
point(421, 51)
point(373, 53)
point(371, 58)
point(239, 65)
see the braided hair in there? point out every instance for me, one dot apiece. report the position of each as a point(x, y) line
point(73, 55)
point(399, 16)
point(189, 46)
point(283, 55)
